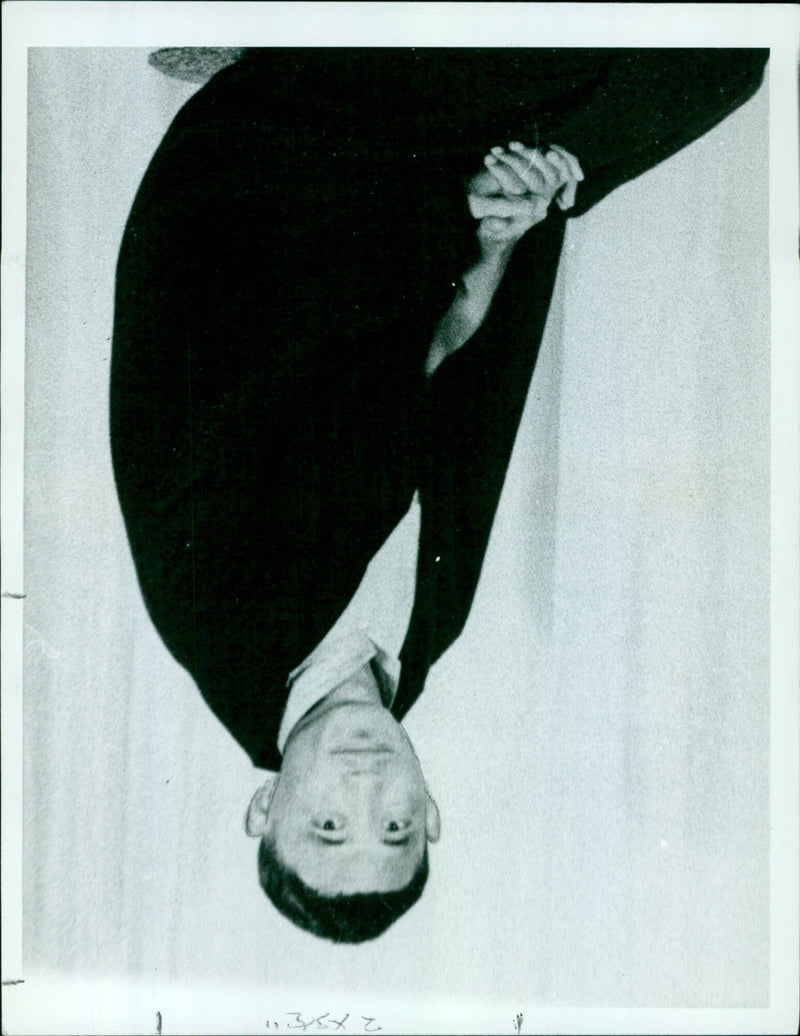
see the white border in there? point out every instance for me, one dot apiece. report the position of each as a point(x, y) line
point(59, 1003)
point(12, 425)
point(159, 23)
point(785, 528)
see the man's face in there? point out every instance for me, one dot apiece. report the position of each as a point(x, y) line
point(349, 808)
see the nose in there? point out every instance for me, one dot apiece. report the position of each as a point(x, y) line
point(365, 766)
point(364, 771)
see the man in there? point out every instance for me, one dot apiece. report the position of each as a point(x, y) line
point(345, 823)
point(284, 382)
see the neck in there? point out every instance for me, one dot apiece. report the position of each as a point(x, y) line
point(361, 688)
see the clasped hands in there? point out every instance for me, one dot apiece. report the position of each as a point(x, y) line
point(514, 190)
point(511, 194)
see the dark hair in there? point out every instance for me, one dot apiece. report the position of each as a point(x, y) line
point(341, 918)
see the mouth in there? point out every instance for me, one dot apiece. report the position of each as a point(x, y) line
point(363, 750)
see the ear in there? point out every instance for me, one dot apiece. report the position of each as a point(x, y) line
point(433, 823)
point(255, 823)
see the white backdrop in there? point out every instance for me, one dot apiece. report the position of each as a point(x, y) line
point(597, 741)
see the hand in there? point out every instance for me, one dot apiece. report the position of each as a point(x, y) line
point(571, 172)
point(505, 209)
point(509, 196)
point(514, 191)
point(554, 174)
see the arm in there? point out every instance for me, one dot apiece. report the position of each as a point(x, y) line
point(509, 196)
point(648, 106)
point(650, 112)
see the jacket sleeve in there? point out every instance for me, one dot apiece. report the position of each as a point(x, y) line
point(647, 106)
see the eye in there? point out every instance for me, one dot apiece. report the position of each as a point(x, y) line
point(396, 826)
point(329, 823)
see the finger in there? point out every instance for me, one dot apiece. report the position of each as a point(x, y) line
point(508, 177)
point(528, 162)
point(560, 163)
point(538, 210)
point(483, 183)
point(494, 229)
point(528, 214)
point(566, 198)
point(505, 208)
point(550, 174)
point(573, 163)
point(481, 206)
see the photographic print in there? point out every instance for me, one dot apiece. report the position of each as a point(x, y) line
point(404, 643)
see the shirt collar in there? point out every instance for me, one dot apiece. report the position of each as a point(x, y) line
point(329, 666)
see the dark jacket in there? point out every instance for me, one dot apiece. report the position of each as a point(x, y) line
point(292, 246)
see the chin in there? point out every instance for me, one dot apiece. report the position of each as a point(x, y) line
point(364, 723)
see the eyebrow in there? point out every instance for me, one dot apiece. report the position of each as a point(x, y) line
point(315, 836)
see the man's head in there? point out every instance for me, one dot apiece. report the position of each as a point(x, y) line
point(345, 824)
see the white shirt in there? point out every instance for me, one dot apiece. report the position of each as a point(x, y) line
point(372, 628)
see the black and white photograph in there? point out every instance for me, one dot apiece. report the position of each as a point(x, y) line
point(400, 518)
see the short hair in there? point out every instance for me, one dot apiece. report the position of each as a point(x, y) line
point(340, 918)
